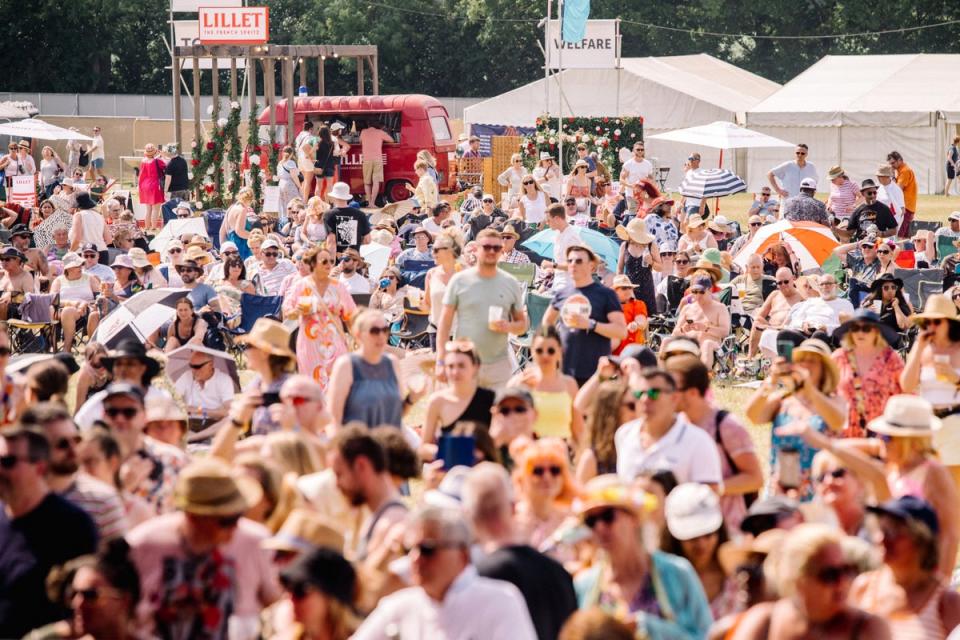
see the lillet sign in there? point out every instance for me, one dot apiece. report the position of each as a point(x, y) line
point(234, 25)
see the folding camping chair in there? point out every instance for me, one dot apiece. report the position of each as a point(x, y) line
point(251, 307)
point(36, 329)
point(537, 306)
point(525, 273)
point(919, 284)
point(414, 329)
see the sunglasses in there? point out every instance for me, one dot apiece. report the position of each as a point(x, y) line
point(274, 254)
point(932, 322)
point(378, 331)
point(833, 575)
point(861, 328)
point(681, 262)
point(756, 224)
point(607, 516)
point(801, 153)
point(486, 201)
point(667, 254)
point(10, 461)
point(88, 256)
point(783, 282)
point(168, 251)
point(90, 595)
point(571, 203)
point(554, 470)
point(325, 261)
point(492, 247)
point(869, 192)
point(506, 411)
point(201, 365)
point(884, 252)
point(867, 246)
point(653, 394)
point(528, 182)
point(548, 350)
point(956, 295)
point(429, 548)
point(66, 443)
point(126, 412)
point(836, 474)
point(229, 252)
point(888, 287)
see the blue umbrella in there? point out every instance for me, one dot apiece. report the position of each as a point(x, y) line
point(607, 249)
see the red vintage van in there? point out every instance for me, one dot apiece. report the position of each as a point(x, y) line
point(414, 121)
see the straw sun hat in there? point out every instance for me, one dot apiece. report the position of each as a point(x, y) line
point(635, 231)
point(270, 336)
point(207, 488)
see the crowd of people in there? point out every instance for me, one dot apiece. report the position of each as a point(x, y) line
point(558, 460)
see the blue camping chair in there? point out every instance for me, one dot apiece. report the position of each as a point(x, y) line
point(414, 272)
point(214, 220)
point(251, 307)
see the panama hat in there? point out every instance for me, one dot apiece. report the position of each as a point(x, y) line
point(207, 488)
point(704, 264)
point(622, 281)
point(937, 307)
point(197, 254)
point(608, 490)
point(835, 172)
point(819, 348)
point(635, 231)
point(304, 530)
point(340, 191)
point(270, 336)
point(885, 171)
point(906, 416)
point(695, 221)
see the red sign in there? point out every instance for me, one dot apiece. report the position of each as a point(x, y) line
point(235, 25)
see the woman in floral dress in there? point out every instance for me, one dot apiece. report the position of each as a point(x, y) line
point(323, 305)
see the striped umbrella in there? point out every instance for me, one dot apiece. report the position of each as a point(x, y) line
point(711, 183)
point(812, 243)
point(138, 317)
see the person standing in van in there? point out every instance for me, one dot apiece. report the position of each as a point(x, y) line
point(323, 167)
point(306, 145)
point(340, 148)
point(371, 148)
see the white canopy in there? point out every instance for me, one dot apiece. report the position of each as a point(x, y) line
point(10, 111)
point(40, 130)
point(721, 135)
point(670, 93)
point(853, 110)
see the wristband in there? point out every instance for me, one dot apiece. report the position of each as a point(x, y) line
point(592, 325)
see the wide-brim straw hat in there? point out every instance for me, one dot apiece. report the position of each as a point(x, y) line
point(622, 281)
point(835, 172)
point(305, 530)
point(197, 254)
point(704, 264)
point(821, 350)
point(608, 490)
point(885, 171)
point(694, 221)
point(206, 487)
point(938, 306)
point(635, 231)
point(270, 336)
point(734, 553)
point(71, 260)
point(906, 416)
point(721, 224)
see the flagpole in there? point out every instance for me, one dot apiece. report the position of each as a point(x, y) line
point(560, 89)
point(546, 62)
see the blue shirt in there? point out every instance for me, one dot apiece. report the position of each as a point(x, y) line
point(582, 348)
point(201, 295)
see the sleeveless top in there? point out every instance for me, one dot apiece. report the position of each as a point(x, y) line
point(185, 339)
point(76, 290)
point(478, 410)
point(536, 209)
point(374, 397)
point(374, 519)
point(580, 192)
point(554, 413)
point(904, 625)
point(642, 276)
point(437, 288)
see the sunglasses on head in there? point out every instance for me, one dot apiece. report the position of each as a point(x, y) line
point(554, 470)
point(126, 412)
point(653, 394)
point(836, 474)
point(377, 331)
point(607, 516)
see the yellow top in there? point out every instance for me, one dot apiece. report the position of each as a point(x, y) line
point(554, 413)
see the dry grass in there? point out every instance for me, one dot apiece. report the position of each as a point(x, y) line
point(734, 399)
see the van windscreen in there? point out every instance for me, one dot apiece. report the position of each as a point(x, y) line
point(441, 129)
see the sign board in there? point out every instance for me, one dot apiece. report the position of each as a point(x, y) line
point(271, 199)
point(193, 6)
point(600, 49)
point(234, 25)
point(186, 33)
point(23, 191)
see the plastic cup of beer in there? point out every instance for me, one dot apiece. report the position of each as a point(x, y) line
point(741, 292)
point(943, 359)
point(305, 303)
point(494, 315)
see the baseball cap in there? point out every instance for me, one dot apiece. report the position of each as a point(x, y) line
point(88, 247)
point(692, 510)
point(228, 246)
point(513, 392)
point(808, 183)
point(909, 508)
point(954, 216)
point(124, 389)
point(764, 514)
point(270, 243)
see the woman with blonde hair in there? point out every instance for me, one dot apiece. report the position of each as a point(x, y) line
point(236, 222)
point(150, 187)
point(813, 578)
point(533, 202)
point(312, 230)
point(306, 156)
point(545, 488)
point(51, 168)
point(291, 452)
point(611, 408)
point(425, 156)
point(512, 178)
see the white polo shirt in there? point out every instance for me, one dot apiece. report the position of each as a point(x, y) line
point(213, 394)
point(686, 450)
point(473, 607)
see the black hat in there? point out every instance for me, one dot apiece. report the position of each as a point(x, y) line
point(132, 348)
point(124, 389)
point(764, 514)
point(20, 230)
point(13, 252)
point(326, 570)
point(909, 508)
point(883, 279)
point(861, 316)
point(84, 201)
point(88, 247)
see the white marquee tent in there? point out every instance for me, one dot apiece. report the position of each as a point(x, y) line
point(853, 110)
point(669, 92)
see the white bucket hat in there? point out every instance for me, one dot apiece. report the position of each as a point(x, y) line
point(906, 416)
point(692, 510)
point(340, 191)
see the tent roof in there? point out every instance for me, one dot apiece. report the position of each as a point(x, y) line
point(669, 92)
point(883, 89)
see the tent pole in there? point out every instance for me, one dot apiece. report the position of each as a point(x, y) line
point(716, 202)
point(546, 61)
point(560, 89)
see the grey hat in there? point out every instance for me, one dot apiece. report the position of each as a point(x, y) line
point(513, 392)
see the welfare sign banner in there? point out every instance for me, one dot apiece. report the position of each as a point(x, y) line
point(234, 25)
point(599, 48)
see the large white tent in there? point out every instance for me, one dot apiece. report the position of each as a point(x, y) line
point(853, 110)
point(669, 92)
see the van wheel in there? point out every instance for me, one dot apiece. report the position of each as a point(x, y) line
point(396, 191)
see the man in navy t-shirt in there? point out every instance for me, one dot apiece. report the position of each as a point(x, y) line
point(590, 316)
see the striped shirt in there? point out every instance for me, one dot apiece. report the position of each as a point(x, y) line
point(842, 198)
point(101, 502)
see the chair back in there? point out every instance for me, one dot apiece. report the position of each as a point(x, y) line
point(525, 273)
point(414, 272)
point(919, 284)
point(36, 307)
point(945, 247)
point(253, 306)
point(537, 306)
point(213, 218)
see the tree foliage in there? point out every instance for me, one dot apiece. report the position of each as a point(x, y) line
point(453, 47)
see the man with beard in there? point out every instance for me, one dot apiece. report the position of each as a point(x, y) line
point(360, 465)
point(98, 499)
point(200, 294)
point(38, 531)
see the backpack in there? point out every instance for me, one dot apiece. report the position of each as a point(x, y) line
point(83, 159)
point(748, 498)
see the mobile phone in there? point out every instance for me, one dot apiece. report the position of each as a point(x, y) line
point(788, 468)
point(785, 350)
point(456, 451)
point(270, 397)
